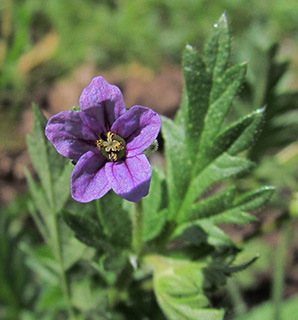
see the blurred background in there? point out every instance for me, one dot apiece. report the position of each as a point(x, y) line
point(50, 50)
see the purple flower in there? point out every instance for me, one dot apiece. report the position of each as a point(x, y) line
point(107, 142)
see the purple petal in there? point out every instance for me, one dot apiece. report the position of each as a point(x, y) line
point(139, 126)
point(130, 179)
point(103, 101)
point(71, 134)
point(89, 180)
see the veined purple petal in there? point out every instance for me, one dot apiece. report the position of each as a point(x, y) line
point(72, 133)
point(103, 101)
point(89, 180)
point(139, 126)
point(130, 179)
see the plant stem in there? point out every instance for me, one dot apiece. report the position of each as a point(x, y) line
point(280, 269)
point(138, 220)
point(235, 294)
point(64, 281)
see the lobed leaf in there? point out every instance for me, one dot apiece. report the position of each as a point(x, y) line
point(211, 206)
point(198, 86)
point(217, 48)
point(202, 231)
point(225, 166)
point(219, 106)
point(239, 136)
point(255, 199)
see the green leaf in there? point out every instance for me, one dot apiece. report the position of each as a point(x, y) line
point(223, 167)
point(178, 285)
point(234, 216)
point(154, 214)
point(239, 136)
point(202, 231)
point(217, 48)
point(211, 206)
point(53, 170)
point(116, 221)
point(62, 186)
point(198, 86)
point(266, 311)
point(178, 168)
point(221, 208)
point(220, 104)
point(86, 229)
point(255, 199)
point(38, 195)
point(42, 261)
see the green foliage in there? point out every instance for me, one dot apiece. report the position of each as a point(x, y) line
point(266, 311)
point(179, 289)
point(208, 149)
point(280, 125)
point(172, 239)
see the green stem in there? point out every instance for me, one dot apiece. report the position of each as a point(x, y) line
point(101, 217)
point(235, 294)
point(280, 269)
point(138, 220)
point(64, 281)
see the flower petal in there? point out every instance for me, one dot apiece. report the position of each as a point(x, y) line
point(89, 180)
point(103, 101)
point(71, 134)
point(130, 179)
point(139, 126)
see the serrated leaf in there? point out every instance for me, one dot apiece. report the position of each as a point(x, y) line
point(116, 221)
point(239, 136)
point(234, 216)
point(154, 214)
point(217, 48)
point(223, 167)
point(202, 231)
point(198, 87)
point(86, 229)
point(50, 166)
point(228, 87)
point(236, 212)
point(255, 199)
point(241, 267)
point(178, 168)
point(38, 148)
point(178, 285)
point(211, 205)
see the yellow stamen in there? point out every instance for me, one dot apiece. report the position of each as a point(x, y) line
point(111, 146)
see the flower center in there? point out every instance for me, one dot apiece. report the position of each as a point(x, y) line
point(112, 146)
